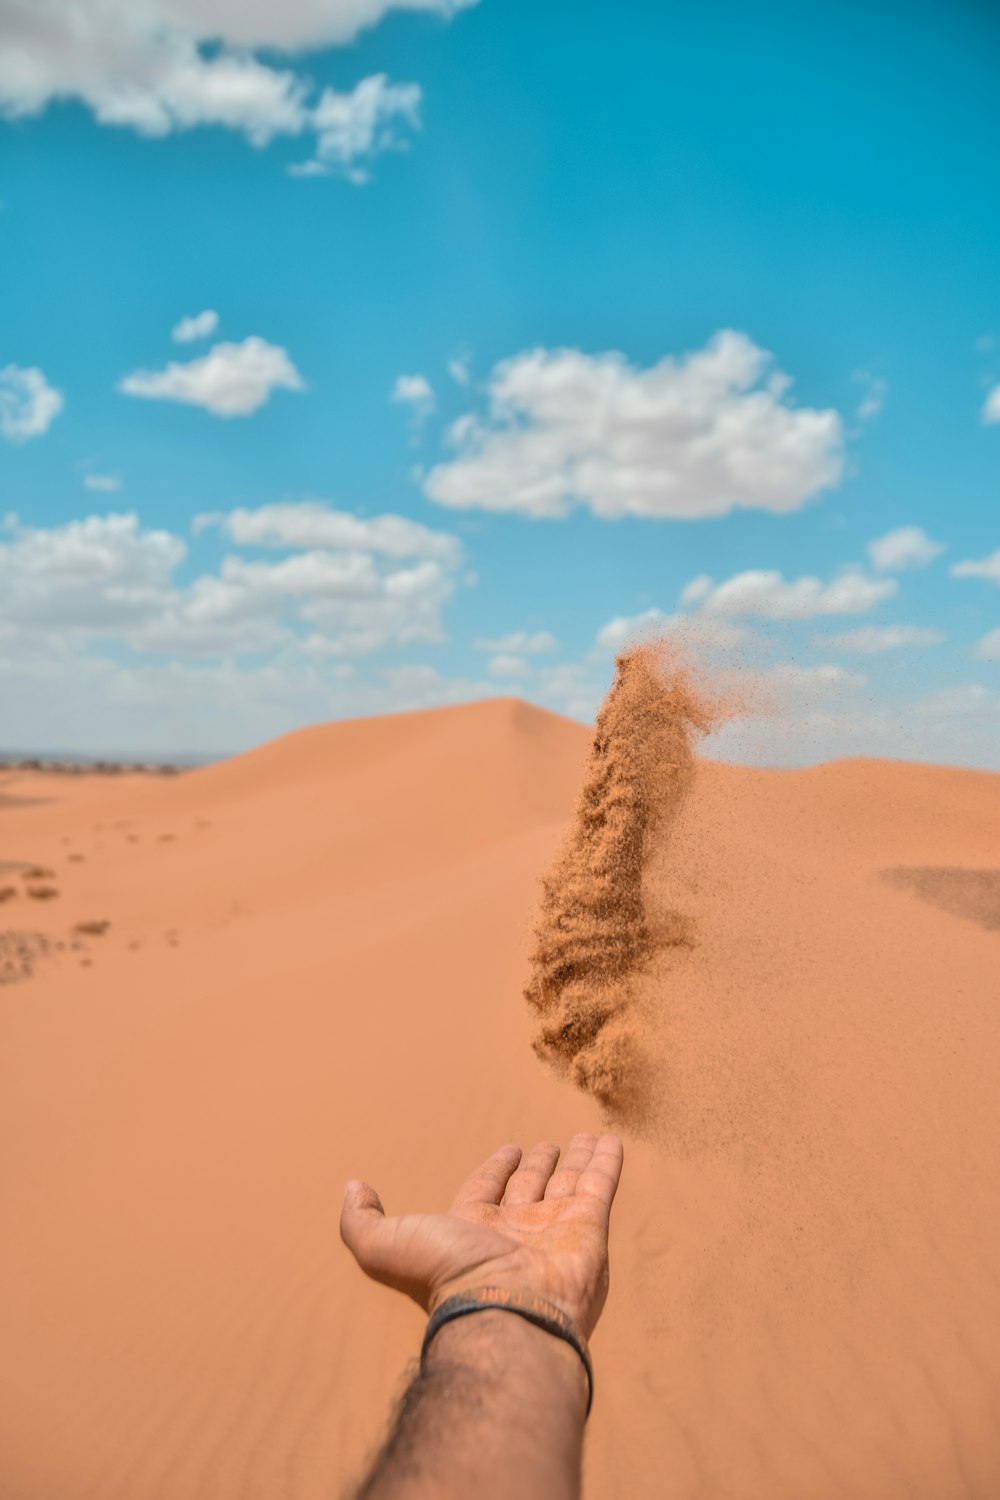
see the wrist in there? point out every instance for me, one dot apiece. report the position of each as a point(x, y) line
point(502, 1349)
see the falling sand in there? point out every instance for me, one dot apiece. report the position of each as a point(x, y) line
point(596, 934)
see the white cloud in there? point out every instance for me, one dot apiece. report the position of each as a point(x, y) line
point(521, 643)
point(28, 404)
point(966, 698)
point(106, 577)
point(988, 647)
point(200, 326)
point(613, 635)
point(415, 391)
point(698, 589)
point(314, 524)
point(873, 400)
point(869, 639)
point(829, 677)
point(986, 567)
point(506, 665)
point(231, 380)
point(906, 547)
point(768, 594)
point(354, 126)
point(166, 65)
point(699, 436)
point(105, 483)
point(991, 406)
point(101, 573)
point(700, 633)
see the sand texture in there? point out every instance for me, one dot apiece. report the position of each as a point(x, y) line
point(225, 992)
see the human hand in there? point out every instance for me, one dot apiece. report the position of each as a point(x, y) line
point(521, 1225)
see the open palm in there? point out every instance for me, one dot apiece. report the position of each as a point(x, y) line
point(518, 1224)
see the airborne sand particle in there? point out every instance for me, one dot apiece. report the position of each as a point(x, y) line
point(594, 936)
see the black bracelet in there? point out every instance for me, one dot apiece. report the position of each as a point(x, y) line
point(534, 1309)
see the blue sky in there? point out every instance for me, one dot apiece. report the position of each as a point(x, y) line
point(623, 313)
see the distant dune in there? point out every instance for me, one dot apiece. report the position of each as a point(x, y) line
point(249, 982)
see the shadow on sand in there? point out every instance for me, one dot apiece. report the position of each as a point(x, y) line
point(973, 894)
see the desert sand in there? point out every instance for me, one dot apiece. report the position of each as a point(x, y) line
point(313, 968)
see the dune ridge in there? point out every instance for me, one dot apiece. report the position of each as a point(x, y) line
point(313, 971)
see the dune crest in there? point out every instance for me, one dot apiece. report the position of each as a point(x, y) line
point(594, 935)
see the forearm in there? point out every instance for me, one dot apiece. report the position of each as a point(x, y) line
point(497, 1413)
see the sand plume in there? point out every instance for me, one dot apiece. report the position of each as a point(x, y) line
point(595, 935)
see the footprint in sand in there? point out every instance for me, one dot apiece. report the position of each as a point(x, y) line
point(38, 872)
point(7, 893)
point(166, 838)
point(41, 892)
point(77, 859)
point(93, 929)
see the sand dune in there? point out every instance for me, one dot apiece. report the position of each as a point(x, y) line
point(313, 968)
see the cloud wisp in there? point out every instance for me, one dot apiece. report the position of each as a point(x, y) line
point(199, 326)
point(983, 567)
point(904, 548)
point(28, 403)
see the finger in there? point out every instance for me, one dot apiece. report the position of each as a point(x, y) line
point(528, 1183)
point(562, 1184)
point(488, 1181)
point(600, 1177)
point(362, 1222)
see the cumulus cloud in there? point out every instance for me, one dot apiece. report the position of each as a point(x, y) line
point(768, 594)
point(985, 567)
point(906, 547)
point(869, 639)
point(106, 576)
point(199, 326)
point(691, 437)
point(168, 65)
point(991, 406)
point(100, 573)
point(988, 647)
point(353, 606)
point(231, 380)
point(521, 643)
point(315, 524)
point(28, 404)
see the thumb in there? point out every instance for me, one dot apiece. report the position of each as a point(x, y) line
point(362, 1219)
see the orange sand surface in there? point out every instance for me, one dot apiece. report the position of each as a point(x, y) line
point(314, 969)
